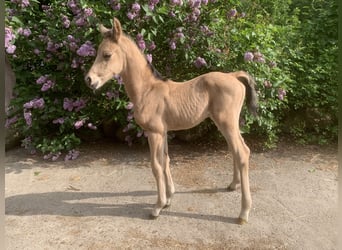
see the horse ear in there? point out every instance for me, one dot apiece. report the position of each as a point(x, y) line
point(116, 29)
point(104, 31)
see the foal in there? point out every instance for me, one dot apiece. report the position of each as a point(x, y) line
point(164, 105)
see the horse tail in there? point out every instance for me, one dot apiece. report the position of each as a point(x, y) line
point(251, 95)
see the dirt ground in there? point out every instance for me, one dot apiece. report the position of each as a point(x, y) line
point(103, 199)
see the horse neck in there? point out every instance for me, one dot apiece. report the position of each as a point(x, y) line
point(136, 75)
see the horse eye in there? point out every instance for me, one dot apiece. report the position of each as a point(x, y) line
point(106, 56)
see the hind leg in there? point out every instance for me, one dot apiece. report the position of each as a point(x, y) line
point(241, 152)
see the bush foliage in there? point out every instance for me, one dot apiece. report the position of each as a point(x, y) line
point(290, 47)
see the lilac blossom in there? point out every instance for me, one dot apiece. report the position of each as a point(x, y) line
point(58, 121)
point(48, 85)
point(149, 58)
point(131, 15)
point(176, 2)
point(173, 45)
point(91, 126)
point(200, 62)
point(79, 104)
point(281, 94)
point(11, 121)
point(232, 13)
point(152, 46)
point(37, 103)
point(248, 56)
point(28, 118)
point(9, 36)
point(72, 155)
point(42, 79)
point(88, 12)
point(152, 4)
point(118, 78)
point(86, 49)
point(195, 3)
point(79, 124)
point(136, 7)
point(272, 64)
point(24, 32)
point(129, 105)
point(68, 104)
point(66, 22)
point(258, 57)
point(140, 42)
point(56, 156)
point(267, 84)
point(36, 51)
point(11, 49)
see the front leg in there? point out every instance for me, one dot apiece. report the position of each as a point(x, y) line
point(156, 143)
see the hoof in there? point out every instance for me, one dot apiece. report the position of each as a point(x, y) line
point(241, 221)
point(153, 217)
point(230, 189)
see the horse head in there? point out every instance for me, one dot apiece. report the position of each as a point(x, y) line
point(109, 60)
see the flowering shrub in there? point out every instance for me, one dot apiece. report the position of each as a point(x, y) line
point(53, 43)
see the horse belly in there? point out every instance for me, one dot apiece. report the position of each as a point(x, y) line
point(185, 116)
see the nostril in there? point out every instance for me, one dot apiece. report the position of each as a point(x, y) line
point(88, 80)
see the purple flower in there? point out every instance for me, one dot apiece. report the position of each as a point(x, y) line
point(72, 155)
point(131, 15)
point(258, 57)
point(11, 121)
point(88, 12)
point(200, 62)
point(152, 46)
point(141, 45)
point(248, 56)
point(173, 45)
point(28, 118)
point(281, 94)
point(111, 95)
point(86, 49)
point(130, 117)
point(79, 104)
point(118, 78)
point(232, 13)
point(35, 103)
point(46, 86)
point(140, 42)
point(68, 104)
point(65, 21)
point(58, 121)
point(194, 3)
point(80, 21)
point(42, 79)
point(136, 7)
point(272, 64)
point(267, 84)
point(92, 126)
point(149, 58)
point(176, 2)
point(11, 49)
point(129, 106)
point(79, 124)
point(36, 51)
point(25, 32)
point(25, 3)
point(9, 36)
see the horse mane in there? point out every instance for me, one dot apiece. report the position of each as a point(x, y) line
point(155, 72)
point(151, 67)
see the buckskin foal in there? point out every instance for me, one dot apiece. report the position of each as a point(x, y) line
point(164, 105)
